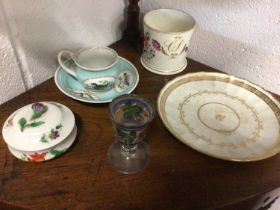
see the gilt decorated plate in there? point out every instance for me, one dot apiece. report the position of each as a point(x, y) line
point(221, 116)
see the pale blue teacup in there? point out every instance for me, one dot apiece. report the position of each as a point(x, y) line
point(94, 67)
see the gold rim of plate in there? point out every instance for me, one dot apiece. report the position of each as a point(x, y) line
point(259, 92)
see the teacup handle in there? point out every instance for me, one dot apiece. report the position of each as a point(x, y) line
point(60, 61)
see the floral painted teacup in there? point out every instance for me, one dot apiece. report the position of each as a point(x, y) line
point(94, 67)
point(167, 35)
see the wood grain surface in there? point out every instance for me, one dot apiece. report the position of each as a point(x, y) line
point(177, 177)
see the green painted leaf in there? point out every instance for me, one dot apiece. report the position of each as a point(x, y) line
point(37, 115)
point(23, 157)
point(57, 153)
point(133, 134)
point(58, 126)
point(22, 122)
point(121, 133)
point(136, 109)
point(130, 110)
point(35, 124)
point(127, 106)
point(43, 139)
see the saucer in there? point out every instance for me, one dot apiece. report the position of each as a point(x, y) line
point(127, 80)
point(221, 116)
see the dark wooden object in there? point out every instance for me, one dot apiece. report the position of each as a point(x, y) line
point(132, 33)
point(176, 178)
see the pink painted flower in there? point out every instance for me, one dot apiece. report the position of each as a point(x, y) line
point(10, 122)
point(156, 45)
point(146, 42)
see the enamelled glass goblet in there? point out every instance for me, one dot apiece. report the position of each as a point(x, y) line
point(130, 115)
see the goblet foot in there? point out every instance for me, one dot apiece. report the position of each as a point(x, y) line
point(129, 161)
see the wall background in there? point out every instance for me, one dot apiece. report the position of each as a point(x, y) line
point(32, 32)
point(240, 37)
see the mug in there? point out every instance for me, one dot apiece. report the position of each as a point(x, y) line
point(167, 35)
point(94, 67)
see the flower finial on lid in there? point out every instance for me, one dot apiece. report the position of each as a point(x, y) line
point(38, 110)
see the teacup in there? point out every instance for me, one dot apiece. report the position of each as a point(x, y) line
point(167, 35)
point(94, 67)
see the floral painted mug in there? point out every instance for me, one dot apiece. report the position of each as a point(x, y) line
point(167, 35)
point(94, 67)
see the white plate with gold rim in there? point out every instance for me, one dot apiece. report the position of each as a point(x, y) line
point(221, 116)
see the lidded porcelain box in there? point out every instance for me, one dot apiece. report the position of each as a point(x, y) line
point(40, 131)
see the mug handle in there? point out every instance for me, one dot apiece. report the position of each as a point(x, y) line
point(61, 63)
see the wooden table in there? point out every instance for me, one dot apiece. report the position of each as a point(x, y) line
point(177, 177)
